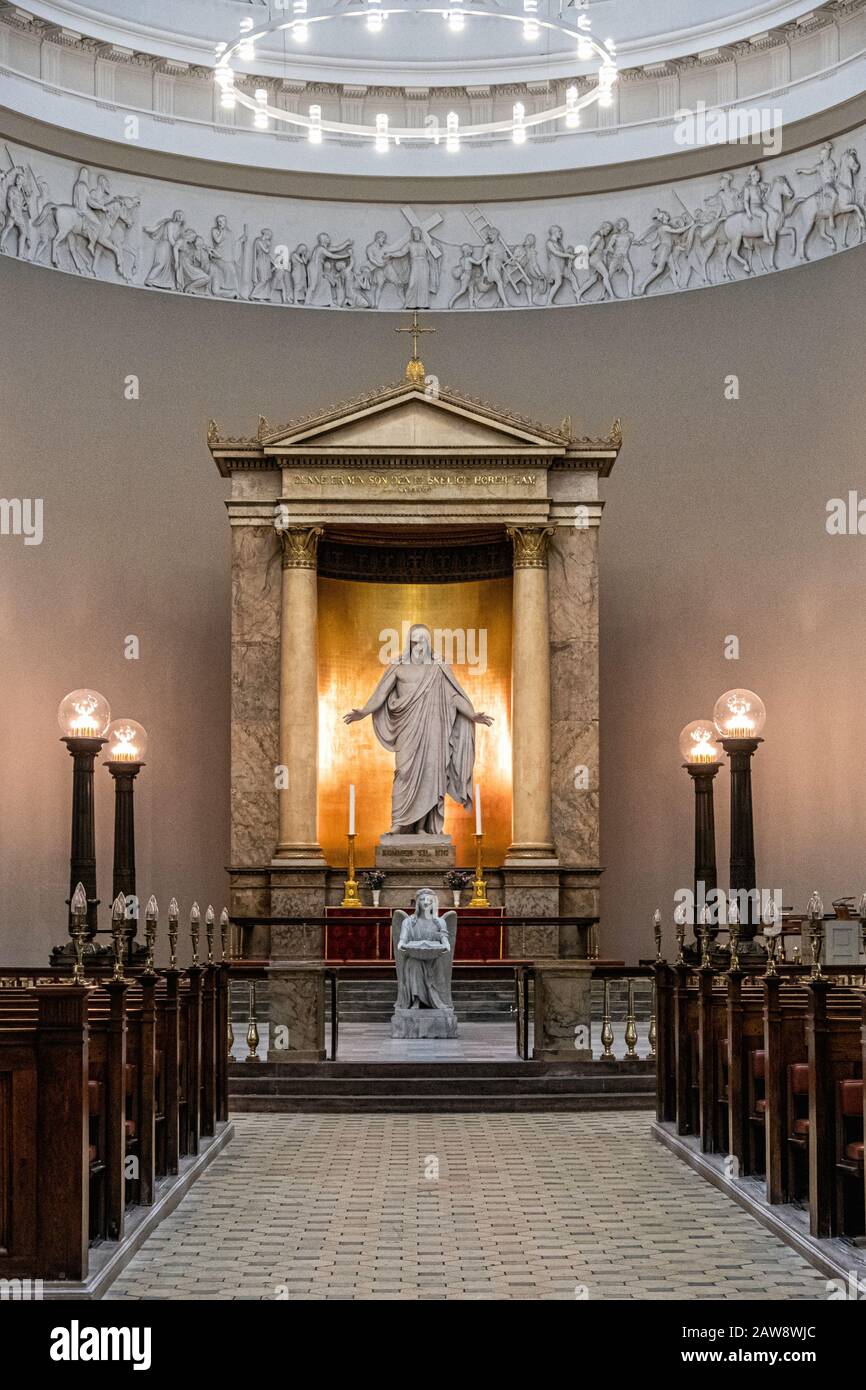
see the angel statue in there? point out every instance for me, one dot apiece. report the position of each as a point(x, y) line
point(424, 955)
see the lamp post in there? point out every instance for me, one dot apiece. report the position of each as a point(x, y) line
point(739, 717)
point(127, 742)
point(702, 756)
point(83, 717)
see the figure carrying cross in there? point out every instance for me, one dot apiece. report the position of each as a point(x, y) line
point(415, 367)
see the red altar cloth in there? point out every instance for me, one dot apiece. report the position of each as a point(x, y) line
point(364, 934)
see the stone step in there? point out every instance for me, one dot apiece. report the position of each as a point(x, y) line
point(409, 1085)
point(444, 1071)
point(438, 1104)
point(440, 1087)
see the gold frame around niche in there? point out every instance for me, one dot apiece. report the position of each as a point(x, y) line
point(353, 625)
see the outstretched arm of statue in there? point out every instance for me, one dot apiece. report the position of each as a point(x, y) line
point(376, 700)
point(465, 707)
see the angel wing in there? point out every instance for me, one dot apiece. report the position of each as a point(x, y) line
point(444, 965)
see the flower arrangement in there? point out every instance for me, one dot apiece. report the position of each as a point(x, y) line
point(457, 879)
point(373, 878)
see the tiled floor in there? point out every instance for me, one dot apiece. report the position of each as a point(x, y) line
point(461, 1207)
point(477, 1042)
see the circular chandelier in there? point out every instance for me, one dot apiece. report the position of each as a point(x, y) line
point(381, 134)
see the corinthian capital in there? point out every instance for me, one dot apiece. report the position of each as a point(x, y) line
point(530, 546)
point(300, 545)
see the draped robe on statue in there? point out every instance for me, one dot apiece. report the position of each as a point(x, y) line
point(433, 743)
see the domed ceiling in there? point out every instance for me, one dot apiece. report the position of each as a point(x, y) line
point(540, 153)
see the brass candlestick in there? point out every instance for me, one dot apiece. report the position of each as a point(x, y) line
point(151, 918)
point(194, 923)
point(704, 933)
point(118, 913)
point(252, 1027)
point(351, 896)
point(209, 931)
point(734, 934)
point(479, 887)
point(224, 932)
point(79, 927)
point(173, 916)
point(680, 932)
point(816, 945)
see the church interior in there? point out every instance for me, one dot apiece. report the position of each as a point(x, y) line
point(431, 522)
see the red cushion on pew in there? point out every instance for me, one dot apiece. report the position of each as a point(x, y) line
point(855, 1152)
point(851, 1097)
point(800, 1127)
point(799, 1074)
point(759, 1064)
point(760, 1106)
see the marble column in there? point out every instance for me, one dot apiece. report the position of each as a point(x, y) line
point(530, 698)
point(299, 697)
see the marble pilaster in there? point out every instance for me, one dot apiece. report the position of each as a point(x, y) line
point(296, 1012)
point(255, 675)
point(563, 1011)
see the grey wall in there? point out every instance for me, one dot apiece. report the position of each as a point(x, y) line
point(714, 525)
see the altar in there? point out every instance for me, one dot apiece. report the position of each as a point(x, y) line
point(412, 507)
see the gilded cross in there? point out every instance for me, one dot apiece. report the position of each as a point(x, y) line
point(416, 330)
point(415, 368)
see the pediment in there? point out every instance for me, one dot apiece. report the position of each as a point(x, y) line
point(409, 419)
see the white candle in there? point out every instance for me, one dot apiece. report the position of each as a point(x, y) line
point(351, 808)
point(477, 809)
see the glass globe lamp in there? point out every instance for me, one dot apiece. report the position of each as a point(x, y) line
point(698, 743)
point(83, 714)
point(127, 741)
point(739, 714)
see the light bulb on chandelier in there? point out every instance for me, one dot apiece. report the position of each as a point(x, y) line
point(524, 13)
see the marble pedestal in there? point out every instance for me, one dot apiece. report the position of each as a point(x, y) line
point(563, 1011)
point(296, 1012)
point(428, 852)
point(424, 1023)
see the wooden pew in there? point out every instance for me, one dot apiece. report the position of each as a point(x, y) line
point(835, 1048)
point(91, 1078)
point(713, 1060)
point(745, 1041)
point(686, 1065)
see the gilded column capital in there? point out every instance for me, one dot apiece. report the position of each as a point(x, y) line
point(530, 546)
point(300, 546)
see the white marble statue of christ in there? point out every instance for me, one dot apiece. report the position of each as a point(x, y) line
point(422, 714)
